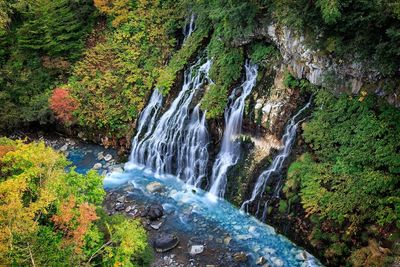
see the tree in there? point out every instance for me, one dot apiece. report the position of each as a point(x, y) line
point(63, 105)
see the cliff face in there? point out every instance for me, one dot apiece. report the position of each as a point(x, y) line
point(319, 67)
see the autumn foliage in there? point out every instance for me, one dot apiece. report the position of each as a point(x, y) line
point(52, 217)
point(74, 220)
point(63, 105)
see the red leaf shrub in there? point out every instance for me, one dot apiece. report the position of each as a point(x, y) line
point(63, 105)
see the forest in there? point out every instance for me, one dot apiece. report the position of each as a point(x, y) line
point(91, 67)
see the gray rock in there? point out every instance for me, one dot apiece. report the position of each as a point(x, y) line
point(100, 155)
point(107, 157)
point(196, 249)
point(302, 256)
point(128, 209)
point(165, 242)
point(277, 262)
point(121, 199)
point(227, 240)
point(119, 206)
point(240, 257)
point(153, 212)
point(64, 148)
point(97, 166)
point(156, 225)
point(116, 169)
point(155, 187)
point(261, 260)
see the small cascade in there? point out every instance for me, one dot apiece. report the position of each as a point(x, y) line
point(189, 28)
point(173, 147)
point(230, 148)
point(277, 164)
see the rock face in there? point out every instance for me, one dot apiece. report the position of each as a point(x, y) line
point(165, 242)
point(314, 65)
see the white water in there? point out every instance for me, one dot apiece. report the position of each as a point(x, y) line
point(189, 28)
point(277, 164)
point(192, 163)
point(230, 149)
point(177, 144)
point(146, 122)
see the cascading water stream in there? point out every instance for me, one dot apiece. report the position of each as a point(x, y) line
point(189, 28)
point(173, 147)
point(277, 164)
point(230, 148)
point(146, 122)
point(193, 151)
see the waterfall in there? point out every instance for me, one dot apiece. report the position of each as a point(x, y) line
point(146, 122)
point(230, 148)
point(177, 144)
point(189, 28)
point(277, 164)
point(192, 163)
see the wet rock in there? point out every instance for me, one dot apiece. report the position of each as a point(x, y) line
point(64, 148)
point(227, 240)
point(243, 237)
point(107, 157)
point(156, 225)
point(97, 166)
point(128, 187)
point(121, 199)
point(165, 242)
point(153, 212)
point(100, 155)
point(196, 249)
point(240, 257)
point(302, 256)
point(261, 260)
point(277, 262)
point(252, 229)
point(128, 209)
point(154, 187)
point(119, 206)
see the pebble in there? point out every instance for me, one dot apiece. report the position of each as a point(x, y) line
point(64, 148)
point(107, 157)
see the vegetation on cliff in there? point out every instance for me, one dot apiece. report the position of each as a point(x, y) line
point(349, 181)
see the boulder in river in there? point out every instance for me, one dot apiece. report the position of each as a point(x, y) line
point(154, 187)
point(261, 260)
point(153, 212)
point(165, 242)
point(107, 157)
